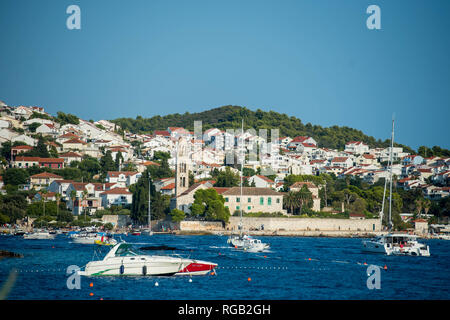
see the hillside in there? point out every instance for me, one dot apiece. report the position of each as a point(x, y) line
point(228, 117)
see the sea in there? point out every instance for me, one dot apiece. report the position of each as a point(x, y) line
point(294, 268)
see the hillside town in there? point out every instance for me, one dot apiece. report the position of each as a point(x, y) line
point(195, 158)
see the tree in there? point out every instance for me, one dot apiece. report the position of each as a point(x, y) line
point(226, 178)
point(66, 118)
point(41, 149)
point(119, 160)
point(73, 195)
point(304, 197)
point(162, 171)
point(290, 201)
point(15, 176)
point(84, 197)
point(177, 215)
point(107, 163)
point(210, 205)
point(33, 126)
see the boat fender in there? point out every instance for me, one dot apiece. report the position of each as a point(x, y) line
point(122, 269)
point(144, 270)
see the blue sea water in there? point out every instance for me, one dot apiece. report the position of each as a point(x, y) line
point(295, 268)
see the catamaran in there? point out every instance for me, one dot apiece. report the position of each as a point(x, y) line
point(394, 243)
point(124, 260)
point(241, 241)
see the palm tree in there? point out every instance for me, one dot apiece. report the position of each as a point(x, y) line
point(58, 199)
point(85, 193)
point(290, 201)
point(304, 196)
point(43, 193)
point(73, 195)
point(419, 206)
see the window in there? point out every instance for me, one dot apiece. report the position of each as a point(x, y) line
point(261, 201)
point(269, 201)
point(226, 199)
point(249, 208)
point(249, 200)
point(238, 199)
point(237, 207)
point(278, 200)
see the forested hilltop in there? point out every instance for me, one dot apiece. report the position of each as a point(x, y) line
point(229, 117)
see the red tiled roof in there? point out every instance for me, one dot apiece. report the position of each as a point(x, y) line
point(21, 148)
point(265, 178)
point(161, 133)
point(34, 159)
point(170, 186)
point(220, 190)
point(51, 160)
point(74, 140)
point(117, 173)
point(70, 155)
point(339, 159)
point(46, 175)
point(117, 191)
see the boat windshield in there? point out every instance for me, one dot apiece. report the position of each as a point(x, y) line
point(125, 250)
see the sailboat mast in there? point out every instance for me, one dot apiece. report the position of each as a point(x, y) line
point(242, 165)
point(390, 182)
point(149, 219)
point(384, 194)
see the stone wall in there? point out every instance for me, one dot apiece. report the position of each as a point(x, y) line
point(200, 225)
point(306, 224)
point(286, 224)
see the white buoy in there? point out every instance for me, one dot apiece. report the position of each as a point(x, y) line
point(156, 284)
point(190, 280)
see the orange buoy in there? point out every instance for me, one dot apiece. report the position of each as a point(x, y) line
point(265, 256)
point(249, 279)
point(365, 263)
point(91, 294)
point(309, 259)
point(235, 247)
point(91, 284)
point(385, 267)
point(212, 273)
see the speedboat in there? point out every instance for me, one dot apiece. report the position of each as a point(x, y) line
point(91, 237)
point(397, 244)
point(247, 243)
point(123, 260)
point(41, 234)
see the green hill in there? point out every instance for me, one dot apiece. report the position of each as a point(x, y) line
point(229, 117)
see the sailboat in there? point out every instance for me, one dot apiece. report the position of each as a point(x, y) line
point(243, 241)
point(394, 243)
point(148, 232)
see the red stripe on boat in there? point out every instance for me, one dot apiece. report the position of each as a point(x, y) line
point(194, 267)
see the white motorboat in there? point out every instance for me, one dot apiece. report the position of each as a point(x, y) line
point(39, 235)
point(247, 243)
point(397, 244)
point(394, 243)
point(123, 260)
point(92, 238)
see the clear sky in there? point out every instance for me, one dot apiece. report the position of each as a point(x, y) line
point(312, 59)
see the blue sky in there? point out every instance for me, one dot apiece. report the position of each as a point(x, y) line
point(315, 60)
